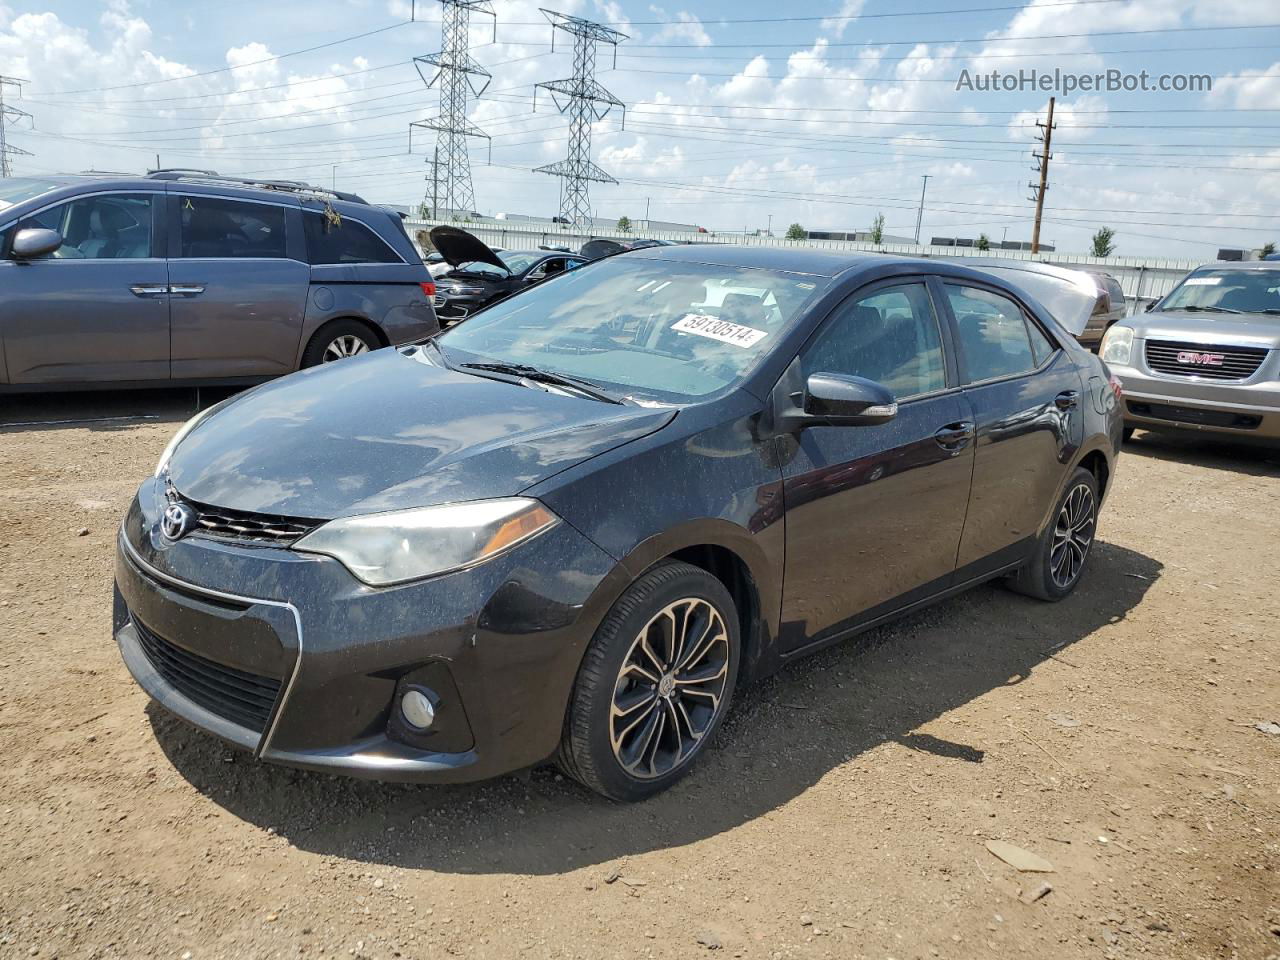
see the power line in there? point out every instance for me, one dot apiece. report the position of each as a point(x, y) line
point(458, 73)
point(235, 66)
point(586, 101)
point(9, 114)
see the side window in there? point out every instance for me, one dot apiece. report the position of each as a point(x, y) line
point(995, 338)
point(214, 227)
point(344, 242)
point(890, 336)
point(103, 227)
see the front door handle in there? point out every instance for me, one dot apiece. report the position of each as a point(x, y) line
point(955, 436)
point(186, 289)
point(1067, 400)
point(149, 289)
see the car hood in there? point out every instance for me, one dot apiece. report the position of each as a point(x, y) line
point(459, 247)
point(387, 431)
point(1245, 329)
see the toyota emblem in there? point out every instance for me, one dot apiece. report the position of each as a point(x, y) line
point(177, 521)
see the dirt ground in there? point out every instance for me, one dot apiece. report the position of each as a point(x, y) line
point(844, 813)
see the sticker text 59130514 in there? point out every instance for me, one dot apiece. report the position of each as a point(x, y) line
point(704, 325)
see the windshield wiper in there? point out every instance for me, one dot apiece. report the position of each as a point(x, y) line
point(526, 372)
point(1196, 308)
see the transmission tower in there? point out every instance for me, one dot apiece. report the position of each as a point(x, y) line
point(9, 114)
point(458, 74)
point(586, 102)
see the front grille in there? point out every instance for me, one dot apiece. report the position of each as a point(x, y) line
point(241, 525)
point(1209, 361)
point(245, 699)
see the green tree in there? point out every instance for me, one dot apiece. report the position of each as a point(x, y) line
point(877, 229)
point(424, 211)
point(624, 224)
point(984, 242)
point(1104, 242)
point(1267, 250)
point(797, 232)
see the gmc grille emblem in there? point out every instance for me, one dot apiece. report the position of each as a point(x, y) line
point(1201, 359)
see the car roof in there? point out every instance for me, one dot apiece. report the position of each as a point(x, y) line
point(823, 263)
point(198, 181)
point(1261, 265)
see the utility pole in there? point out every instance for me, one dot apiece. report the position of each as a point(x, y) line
point(9, 114)
point(458, 74)
point(920, 211)
point(769, 230)
point(1037, 194)
point(585, 101)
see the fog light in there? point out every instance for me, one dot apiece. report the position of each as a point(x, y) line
point(418, 710)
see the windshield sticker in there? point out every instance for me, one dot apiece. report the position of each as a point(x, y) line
point(1203, 281)
point(705, 325)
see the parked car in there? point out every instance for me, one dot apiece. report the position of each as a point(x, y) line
point(189, 277)
point(1206, 357)
point(577, 524)
point(478, 275)
point(1085, 302)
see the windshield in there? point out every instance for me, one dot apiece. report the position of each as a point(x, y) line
point(672, 331)
point(1226, 289)
point(14, 191)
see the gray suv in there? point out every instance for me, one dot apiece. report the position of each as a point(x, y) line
point(189, 277)
point(1206, 357)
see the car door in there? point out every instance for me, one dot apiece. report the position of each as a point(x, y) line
point(97, 308)
point(1025, 394)
point(874, 513)
point(238, 286)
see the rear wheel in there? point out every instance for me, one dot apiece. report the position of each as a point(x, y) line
point(654, 685)
point(337, 341)
point(1063, 550)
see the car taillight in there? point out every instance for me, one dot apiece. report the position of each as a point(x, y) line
point(428, 288)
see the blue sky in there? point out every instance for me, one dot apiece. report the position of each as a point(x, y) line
point(825, 114)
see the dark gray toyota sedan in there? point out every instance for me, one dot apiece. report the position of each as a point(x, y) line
point(576, 525)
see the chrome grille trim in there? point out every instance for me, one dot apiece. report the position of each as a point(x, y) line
point(242, 525)
point(1236, 363)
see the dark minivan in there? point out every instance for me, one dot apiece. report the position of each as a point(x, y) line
point(576, 524)
point(189, 277)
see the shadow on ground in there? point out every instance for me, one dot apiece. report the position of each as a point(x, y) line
point(783, 735)
point(104, 409)
point(1205, 451)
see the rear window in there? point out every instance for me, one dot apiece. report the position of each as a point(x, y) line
point(345, 241)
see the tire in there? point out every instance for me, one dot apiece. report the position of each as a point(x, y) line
point(1063, 552)
point(628, 662)
point(339, 339)
point(1128, 434)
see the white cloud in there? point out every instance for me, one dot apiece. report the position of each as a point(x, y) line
point(840, 22)
point(1257, 89)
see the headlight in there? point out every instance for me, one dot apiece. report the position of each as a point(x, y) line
point(181, 435)
point(463, 291)
point(1117, 345)
point(386, 548)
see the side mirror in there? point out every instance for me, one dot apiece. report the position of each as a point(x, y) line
point(32, 242)
point(1150, 306)
point(838, 400)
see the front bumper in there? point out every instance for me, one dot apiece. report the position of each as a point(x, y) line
point(1247, 411)
point(310, 676)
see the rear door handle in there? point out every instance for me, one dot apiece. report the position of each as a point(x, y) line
point(149, 289)
point(954, 436)
point(1067, 400)
point(186, 289)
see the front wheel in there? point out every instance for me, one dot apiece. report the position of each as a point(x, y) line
point(1060, 556)
point(654, 685)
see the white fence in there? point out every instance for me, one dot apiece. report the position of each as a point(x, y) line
point(1141, 278)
